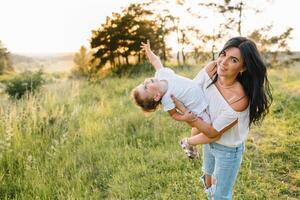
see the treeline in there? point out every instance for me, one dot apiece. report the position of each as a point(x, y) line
point(116, 43)
point(5, 62)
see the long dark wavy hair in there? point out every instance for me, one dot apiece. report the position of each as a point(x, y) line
point(254, 79)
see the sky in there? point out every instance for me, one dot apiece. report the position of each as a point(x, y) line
point(57, 26)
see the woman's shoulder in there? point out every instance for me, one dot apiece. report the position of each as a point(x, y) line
point(241, 105)
point(241, 100)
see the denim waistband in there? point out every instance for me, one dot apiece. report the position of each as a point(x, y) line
point(221, 147)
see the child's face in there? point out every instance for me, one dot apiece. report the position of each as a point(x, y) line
point(149, 89)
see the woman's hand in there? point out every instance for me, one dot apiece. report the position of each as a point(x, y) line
point(187, 115)
point(194, 121)
point(179, 105)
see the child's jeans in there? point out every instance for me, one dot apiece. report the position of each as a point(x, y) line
point(223, 164)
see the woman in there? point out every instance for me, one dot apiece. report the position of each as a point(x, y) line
point(238, 92)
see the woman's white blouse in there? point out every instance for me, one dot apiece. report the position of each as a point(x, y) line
point(222, 114)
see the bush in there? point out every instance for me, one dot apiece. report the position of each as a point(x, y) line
point(132, 70)
point(24, 82)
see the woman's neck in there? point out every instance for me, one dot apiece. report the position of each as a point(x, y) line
point(226, 83)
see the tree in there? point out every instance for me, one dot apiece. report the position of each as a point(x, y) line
point(104, 42)
point(164, 28)
point(138, 28)
point(210, 41)
point(233, 12)
point(5, 63)
point(198, 51)
point(275, 49)
point(169, 21)
point(121, 35)
point(82, 61)
point(214, 38)
point(184, 41)
point(164, 25)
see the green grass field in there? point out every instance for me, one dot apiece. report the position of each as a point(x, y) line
point(76, 140)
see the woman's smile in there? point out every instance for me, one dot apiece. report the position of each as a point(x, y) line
point(222, 68)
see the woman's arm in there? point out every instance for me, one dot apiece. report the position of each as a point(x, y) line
point(201, 139)
point(202, 126)
point(208, 130)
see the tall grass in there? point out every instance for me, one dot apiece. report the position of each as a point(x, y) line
point(76, 140)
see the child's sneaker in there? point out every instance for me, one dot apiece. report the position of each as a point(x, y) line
point(189, 150)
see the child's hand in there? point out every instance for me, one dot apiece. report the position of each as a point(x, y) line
point(146, 47)
point(154, 59)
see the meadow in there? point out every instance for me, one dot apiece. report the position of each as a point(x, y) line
point(80, 140)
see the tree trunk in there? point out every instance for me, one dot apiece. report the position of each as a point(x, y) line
point(119, 60)
point(164, 48)
point(112, 59)
point(183, 56)
point(213, 52)
point(178, 60)
point(240, 18)
point(139, 57)
point(127, 61)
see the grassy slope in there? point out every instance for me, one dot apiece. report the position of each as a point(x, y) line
point(81, 141)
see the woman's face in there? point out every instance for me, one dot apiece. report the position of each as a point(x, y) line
point(230, 63)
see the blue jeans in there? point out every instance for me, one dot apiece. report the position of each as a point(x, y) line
point(222, 163)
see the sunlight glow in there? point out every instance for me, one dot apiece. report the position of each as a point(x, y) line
point(52, 26)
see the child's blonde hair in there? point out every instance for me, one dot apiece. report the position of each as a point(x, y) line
point(147, 104)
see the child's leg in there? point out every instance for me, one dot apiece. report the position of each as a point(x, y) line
point(190, 150)
point(194, 131)
point(188, 144)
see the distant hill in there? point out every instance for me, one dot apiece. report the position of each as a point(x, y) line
point(297, 54)
point(16, 58)
point(62, 62)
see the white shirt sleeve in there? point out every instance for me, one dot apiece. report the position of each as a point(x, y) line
point(200, 77)
point(164, 73)
point(167, 103)
point(225, 118)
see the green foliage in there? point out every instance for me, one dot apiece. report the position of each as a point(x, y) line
point(5, 63)
point(133, 70)
point(121, 35)
point(144, 69)
point(24, 82)
point(116, 44)
point(275, 49)
point(82, 63)
point(77, 140)
point(85, 64)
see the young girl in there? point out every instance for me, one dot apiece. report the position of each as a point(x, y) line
point(158, 90)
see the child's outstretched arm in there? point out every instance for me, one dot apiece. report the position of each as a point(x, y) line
point(154, 59)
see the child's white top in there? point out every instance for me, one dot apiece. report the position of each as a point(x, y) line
point(185, 90)
point(222, 114)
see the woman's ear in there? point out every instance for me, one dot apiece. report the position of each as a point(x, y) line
point(243, 69)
